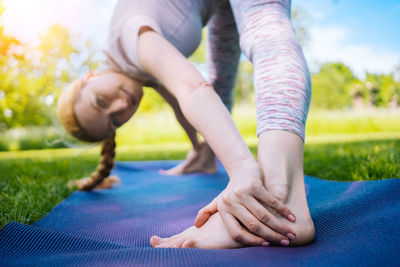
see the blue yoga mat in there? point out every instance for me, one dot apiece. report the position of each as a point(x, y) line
point(357, 223)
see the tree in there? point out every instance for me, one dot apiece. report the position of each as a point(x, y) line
point(31, 78)
point(332, 87)
point(382, 89)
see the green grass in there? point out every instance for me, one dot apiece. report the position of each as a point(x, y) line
point(322, 126)
point(340, 145)
point(33, 182)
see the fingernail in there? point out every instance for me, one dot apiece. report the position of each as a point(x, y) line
point(291, 236)
point(291, 218)
point(285, 243)
point(264, 244)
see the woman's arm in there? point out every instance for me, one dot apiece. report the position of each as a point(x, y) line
point(196, 97)
point(205, 111)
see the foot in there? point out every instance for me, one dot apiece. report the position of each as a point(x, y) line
point(201, 159)
point(289, 188)
point(212, 235)
point(297, 203)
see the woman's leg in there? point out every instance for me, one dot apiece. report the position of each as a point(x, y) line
point(281, 76)
point(283, 91)
point(223, 53)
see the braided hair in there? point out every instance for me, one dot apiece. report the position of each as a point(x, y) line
point(99, 178)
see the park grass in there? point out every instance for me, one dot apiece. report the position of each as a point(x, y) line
point(340, 145)
point(322, 126)
point(33, 182)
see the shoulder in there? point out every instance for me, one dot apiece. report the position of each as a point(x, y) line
point(134, 24)
point(121, 50)
point(129, 34)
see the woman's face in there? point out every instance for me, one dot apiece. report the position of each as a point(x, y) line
point(108, 100)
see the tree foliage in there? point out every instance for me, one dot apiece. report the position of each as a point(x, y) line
point(31, 78)
point(331, 86)
point(336, 87)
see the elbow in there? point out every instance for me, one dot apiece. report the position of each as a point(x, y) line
point(196, 100)
point(194, 92)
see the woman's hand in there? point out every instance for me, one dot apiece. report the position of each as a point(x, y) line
point(246, 200)
point(199, 159)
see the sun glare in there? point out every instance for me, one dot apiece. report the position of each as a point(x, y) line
point(26, 19)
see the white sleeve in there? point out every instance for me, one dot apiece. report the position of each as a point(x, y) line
point(129, 36)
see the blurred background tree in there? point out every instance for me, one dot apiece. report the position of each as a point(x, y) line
point(331, 87)
point(31, 78)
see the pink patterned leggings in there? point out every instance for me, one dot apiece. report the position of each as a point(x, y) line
point(263, 31)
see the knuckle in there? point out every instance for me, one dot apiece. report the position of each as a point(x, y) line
point(227, 198)
point(265, 218)
point(279, 192)
point(274, 203)
point(285, 210)
point(237, 236)
point(281, 196)
point(254, 186)
point(254, 227)
point(240, 191)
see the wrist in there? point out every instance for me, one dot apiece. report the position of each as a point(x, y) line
point(244, 169)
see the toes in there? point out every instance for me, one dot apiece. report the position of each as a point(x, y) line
point(162, 242)
point(172, 242)
point(163, 245)
point(155, 240)
point(190, 243)
point(162, 171)
point(169, 172)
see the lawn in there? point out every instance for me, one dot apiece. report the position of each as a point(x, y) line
point(343, 146)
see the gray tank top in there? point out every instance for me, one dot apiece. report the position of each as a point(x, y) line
point(178, 21)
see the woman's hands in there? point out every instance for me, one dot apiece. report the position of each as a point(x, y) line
point(246, 200)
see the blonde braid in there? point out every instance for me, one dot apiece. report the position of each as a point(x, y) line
point(66, 113)
point(100, 178)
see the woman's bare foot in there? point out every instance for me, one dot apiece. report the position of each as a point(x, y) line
point(212, 235)
point(201, 159)
point(280, 156)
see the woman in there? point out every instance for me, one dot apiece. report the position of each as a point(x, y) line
point(148, 45)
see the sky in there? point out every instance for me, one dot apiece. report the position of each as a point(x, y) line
point(365, 35)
